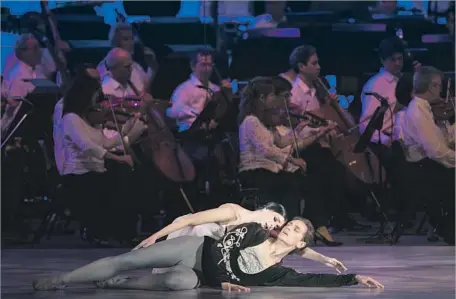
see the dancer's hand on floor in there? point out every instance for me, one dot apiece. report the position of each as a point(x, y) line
point(147, 242)
point(234, 287)
point(369, 282)
point(333, 263)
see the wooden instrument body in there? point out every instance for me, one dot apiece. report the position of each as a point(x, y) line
point(163, 149)
point(364, 166)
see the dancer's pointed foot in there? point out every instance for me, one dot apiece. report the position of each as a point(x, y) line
point(48, 284)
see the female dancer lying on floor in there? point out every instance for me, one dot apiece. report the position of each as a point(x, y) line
point(215, 223)
point(245, 256)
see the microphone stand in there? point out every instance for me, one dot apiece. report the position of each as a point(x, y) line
point(376, 123)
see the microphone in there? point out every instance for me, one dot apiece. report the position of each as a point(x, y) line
point(381, 99)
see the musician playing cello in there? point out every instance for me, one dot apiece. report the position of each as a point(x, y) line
point(188, 100)
point(322, 165)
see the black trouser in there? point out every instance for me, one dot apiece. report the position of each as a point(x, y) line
point(125, 197)
point(324, 186)
point(89, 197)
point(12, 192)
point(210, 161)
point(282, 187)
point(437, 186)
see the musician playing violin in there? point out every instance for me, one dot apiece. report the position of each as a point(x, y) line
point(85, 150)
point(428, 151)
point(262, 163)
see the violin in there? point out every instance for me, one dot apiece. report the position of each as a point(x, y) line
point(313, 120)
point(443, 110)
point(103, 115)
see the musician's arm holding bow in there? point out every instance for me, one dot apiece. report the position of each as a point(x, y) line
point(305, 135)
point(180, 105)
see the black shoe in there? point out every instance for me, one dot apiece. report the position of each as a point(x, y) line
point(432, 238)
point(319, 237)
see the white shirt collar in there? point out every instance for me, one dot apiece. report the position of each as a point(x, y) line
point(304, 87)
point(26, 67)
point(424, 103)
point(195, 81)
point(389, 77)
point(108, 79)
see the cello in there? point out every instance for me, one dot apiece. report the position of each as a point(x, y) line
point(364, 166)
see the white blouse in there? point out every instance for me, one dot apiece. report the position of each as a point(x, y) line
point(84, 146)
point(257, 148)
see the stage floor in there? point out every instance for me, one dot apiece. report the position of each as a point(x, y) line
point(406, 271)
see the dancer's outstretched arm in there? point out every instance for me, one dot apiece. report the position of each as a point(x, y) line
point(311, 254)
point(224, 213)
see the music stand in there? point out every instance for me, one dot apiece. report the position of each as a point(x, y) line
point(376, 123)
point(195, 132)
point(34, 110)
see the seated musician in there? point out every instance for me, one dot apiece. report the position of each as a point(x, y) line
point(323, 166)
point(427, 150)
point(187, 102)
point(262, 164)
point(273, 16)
point(391, 51)
point(121, 36)
point(47, 64)
point(118, 87)
point(85, 150)
point(190, 97)
point(404, 95)
point(28, 52)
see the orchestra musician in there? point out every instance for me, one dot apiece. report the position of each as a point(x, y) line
point(290, 74)
point(187, 102)
point(15, 89)
point(85, 150)
point(262, 164)
point(47, 63)
point(121, 36)
point(29, 55)
point(190, 97)
point(391, 52)
point(323, 167)
point(428, 151)
point(119, 88)
point(312, 188)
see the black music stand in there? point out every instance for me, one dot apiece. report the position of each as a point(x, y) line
point(34, 116)
point(376, 123)
point(194, 132)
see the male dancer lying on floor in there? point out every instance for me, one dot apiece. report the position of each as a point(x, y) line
point(245, 256)
point(215, 223)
